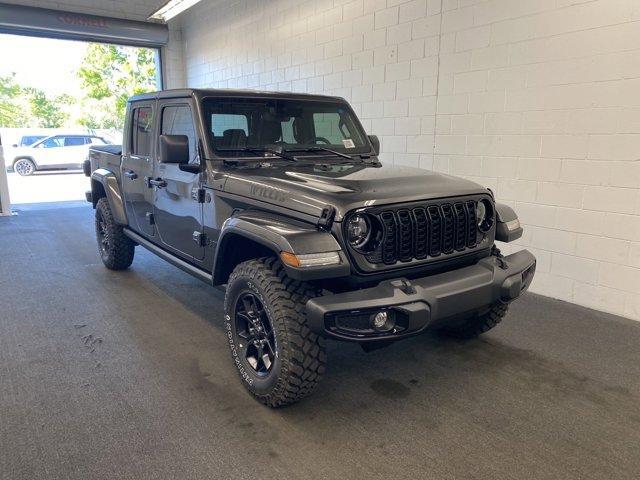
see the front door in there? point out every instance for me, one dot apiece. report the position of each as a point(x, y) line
point(177, 211)
point(137, 169)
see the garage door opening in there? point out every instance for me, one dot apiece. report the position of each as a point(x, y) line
point(57, 99)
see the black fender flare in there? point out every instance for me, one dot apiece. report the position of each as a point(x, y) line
point(278, 234)
point(508, 226)
point(105, 184)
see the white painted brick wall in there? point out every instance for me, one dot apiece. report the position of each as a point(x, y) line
point(536, 99)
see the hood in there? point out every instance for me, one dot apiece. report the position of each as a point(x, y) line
point(310, 188)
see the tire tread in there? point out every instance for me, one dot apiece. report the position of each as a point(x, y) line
point(122, 249)
point(302, 351)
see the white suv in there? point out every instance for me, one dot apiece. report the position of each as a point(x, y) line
point(54, 152)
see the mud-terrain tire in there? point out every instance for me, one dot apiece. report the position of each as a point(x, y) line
point(24, 167)
point(263, 305)
point(116, 249)
point(479, 324)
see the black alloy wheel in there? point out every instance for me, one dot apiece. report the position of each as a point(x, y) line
point(104, 240)
point(255, 330)
point(116, 249)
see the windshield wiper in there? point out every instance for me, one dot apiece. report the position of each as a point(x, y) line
point(319, 149)
point(257, 150)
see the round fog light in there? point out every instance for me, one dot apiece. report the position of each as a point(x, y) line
point(382, 321)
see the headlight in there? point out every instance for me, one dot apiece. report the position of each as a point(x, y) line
point(358, 230)
point(484, 215)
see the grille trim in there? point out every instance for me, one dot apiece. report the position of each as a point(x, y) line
point(424, 231)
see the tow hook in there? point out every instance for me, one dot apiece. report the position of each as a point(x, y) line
point(500, 258)
point(404, 285)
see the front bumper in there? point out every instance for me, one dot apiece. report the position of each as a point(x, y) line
point(421, 303)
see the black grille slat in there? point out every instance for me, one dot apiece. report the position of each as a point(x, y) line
point(389, 241)
point(461, 225)
point(448, 228)
point(405, 235)
point(435, 220)
point(425, 231)
point(472, 233)
point(421, 237)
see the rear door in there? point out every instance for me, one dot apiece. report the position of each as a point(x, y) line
point(137, 167)
point(177, 210)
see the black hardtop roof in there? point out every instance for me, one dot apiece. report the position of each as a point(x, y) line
point(200, 93)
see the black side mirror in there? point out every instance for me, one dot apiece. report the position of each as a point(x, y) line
point(375, 141)
point(15, 145)
point(174, 149)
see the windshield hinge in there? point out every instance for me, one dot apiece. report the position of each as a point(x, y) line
point(198, 194)
point(326, 218)
point(200, 239)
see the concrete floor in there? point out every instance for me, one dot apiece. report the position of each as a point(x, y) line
point(127, 376)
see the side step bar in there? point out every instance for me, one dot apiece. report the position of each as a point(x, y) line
point(169, 257)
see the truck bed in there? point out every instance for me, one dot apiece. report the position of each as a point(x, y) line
point(104, 156)
point(112, 149)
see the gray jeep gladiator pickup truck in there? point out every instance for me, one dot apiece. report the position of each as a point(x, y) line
point(281, 197)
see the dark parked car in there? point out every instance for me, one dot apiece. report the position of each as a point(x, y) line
point(282, 198)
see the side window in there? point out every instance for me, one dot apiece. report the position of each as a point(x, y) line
point(52, 142)
point(73, 141)
point(141, 131)
point(177, 120)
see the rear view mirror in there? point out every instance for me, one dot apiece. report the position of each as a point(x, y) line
point(174, 149)
point(15, 145)
point(376, 143)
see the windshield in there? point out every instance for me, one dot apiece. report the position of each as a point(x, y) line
point(237, 126)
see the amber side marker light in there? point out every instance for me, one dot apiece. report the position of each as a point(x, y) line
point(310, 259)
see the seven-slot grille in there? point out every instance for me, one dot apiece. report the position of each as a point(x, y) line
point(425, 231)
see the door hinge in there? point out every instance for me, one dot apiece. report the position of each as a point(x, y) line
point(200, 239)
point(199, 195)
point(151, 219)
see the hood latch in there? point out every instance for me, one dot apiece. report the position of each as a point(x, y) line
point(326, 218)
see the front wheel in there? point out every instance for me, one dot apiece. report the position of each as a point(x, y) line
point(116, 249)
point(279, 360)
point(24, 167)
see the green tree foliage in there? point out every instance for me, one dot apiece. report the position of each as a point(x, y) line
point(12, 111)
point(47, 112)
point(109, 75)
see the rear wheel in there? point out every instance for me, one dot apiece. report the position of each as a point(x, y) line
point(279, 360)
point(116, 249)
point(24, 167)
point(479, 324)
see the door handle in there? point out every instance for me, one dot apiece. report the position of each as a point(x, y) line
point(131, 174)
point(157, 182)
